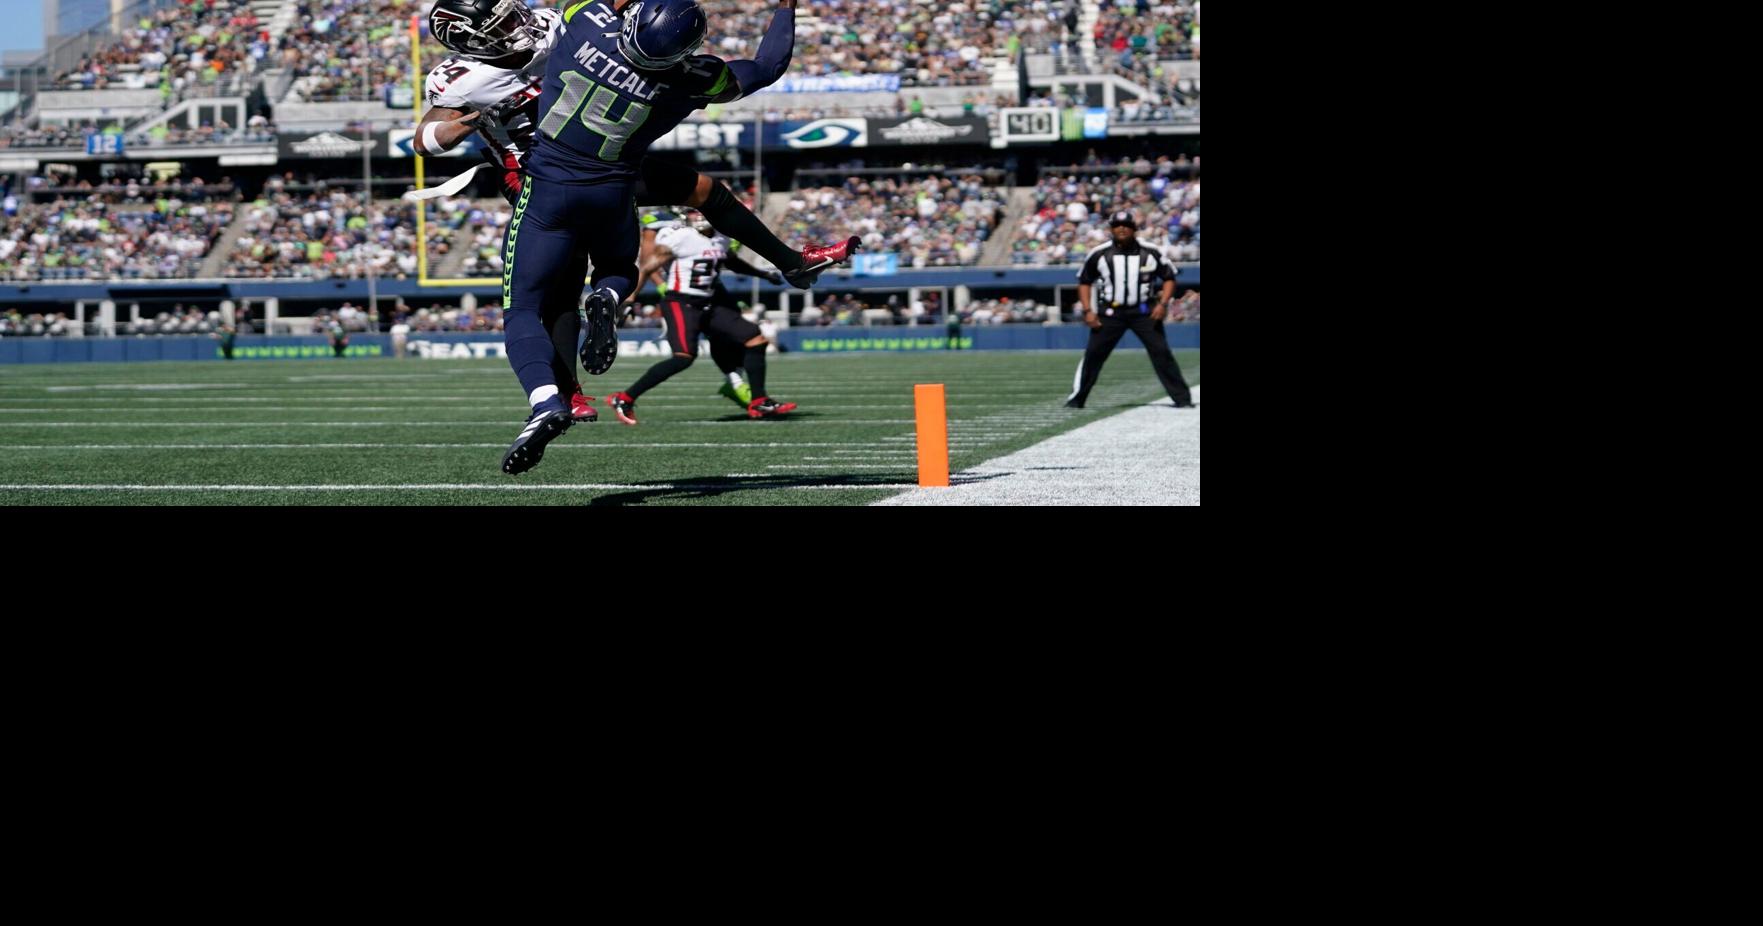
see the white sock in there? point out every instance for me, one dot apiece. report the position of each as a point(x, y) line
point(541, 394)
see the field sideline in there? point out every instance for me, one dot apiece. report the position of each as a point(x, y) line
point(413, 432)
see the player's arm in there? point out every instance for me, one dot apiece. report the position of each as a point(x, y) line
point(1083, 301)
point(1085, 277)
point(1163, 298)
point(1168, 275)
point(745, 269)
point(442, 129)
point(658, 258)
point(769, 63)
point(645, 248)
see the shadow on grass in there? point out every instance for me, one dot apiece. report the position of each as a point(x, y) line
point(741, 416)
point(715, 486)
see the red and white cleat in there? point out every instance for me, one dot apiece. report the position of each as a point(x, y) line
point(817, 259)
point(763, 407)
point(581, 408)
point(623, 406)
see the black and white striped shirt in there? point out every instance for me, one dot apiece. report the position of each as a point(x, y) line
point(1127, 277)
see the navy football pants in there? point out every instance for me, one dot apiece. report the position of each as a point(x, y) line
point(556, 231)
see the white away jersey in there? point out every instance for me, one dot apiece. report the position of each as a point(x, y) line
point(508, 99)
point(696, 260)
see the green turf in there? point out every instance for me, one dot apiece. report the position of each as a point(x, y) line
point(180, 424)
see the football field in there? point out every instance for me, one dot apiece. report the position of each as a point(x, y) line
point(419, 432)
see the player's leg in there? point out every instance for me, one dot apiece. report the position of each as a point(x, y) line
point(665, 183)
point(539, 243)
point(607, 218)
point(729, 357)
point(668, 184)
point(727, 325)
point(1157, 345)
point(1102, 341)
point(563, 320)
point(682, 338)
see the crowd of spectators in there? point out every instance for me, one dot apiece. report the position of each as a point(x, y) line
point(932, 45)
point(932, 221)
point(88, 238)
point(47, 136)
point(179, 320)
point(1071, 211)
point(257, 131)
point(479, 226)
point(840, 309)
point(1004, 310)
point(1132, 29)
point(16, 324)
point(189, 45)
point(349, 315)
point(328, 232)
point(487, 317)
point(974, 103)
point(353, 50)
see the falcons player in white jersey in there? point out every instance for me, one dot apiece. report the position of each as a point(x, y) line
point(690, 257)
point(491, 85)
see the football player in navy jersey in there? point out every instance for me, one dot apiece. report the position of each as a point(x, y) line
point(491, 85)
point(612, 86)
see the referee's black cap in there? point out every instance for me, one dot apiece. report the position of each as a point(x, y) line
point(1123, 217)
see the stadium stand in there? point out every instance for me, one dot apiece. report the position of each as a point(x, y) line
point(437, 319)
point(352, 50)
point(1072, 205)
point(1130, 29)
point(113, 231)
point(205, 45)
point(938, 220)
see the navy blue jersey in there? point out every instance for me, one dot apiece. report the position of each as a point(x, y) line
point(600, 114)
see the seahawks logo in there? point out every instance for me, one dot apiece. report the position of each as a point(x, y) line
point(829, 133)
point(629, 29)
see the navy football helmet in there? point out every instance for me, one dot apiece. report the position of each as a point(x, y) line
point(658, 34)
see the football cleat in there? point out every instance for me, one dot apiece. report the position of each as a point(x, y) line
point(581, 408)
point(600, 348)
point(623, 406)
point(763, 407)
point(529, 448)
point(817, 259)
point(742, 396)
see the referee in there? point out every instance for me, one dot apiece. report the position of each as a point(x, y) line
point(1126, 270)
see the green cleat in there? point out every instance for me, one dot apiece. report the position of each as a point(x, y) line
point(740, 395)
